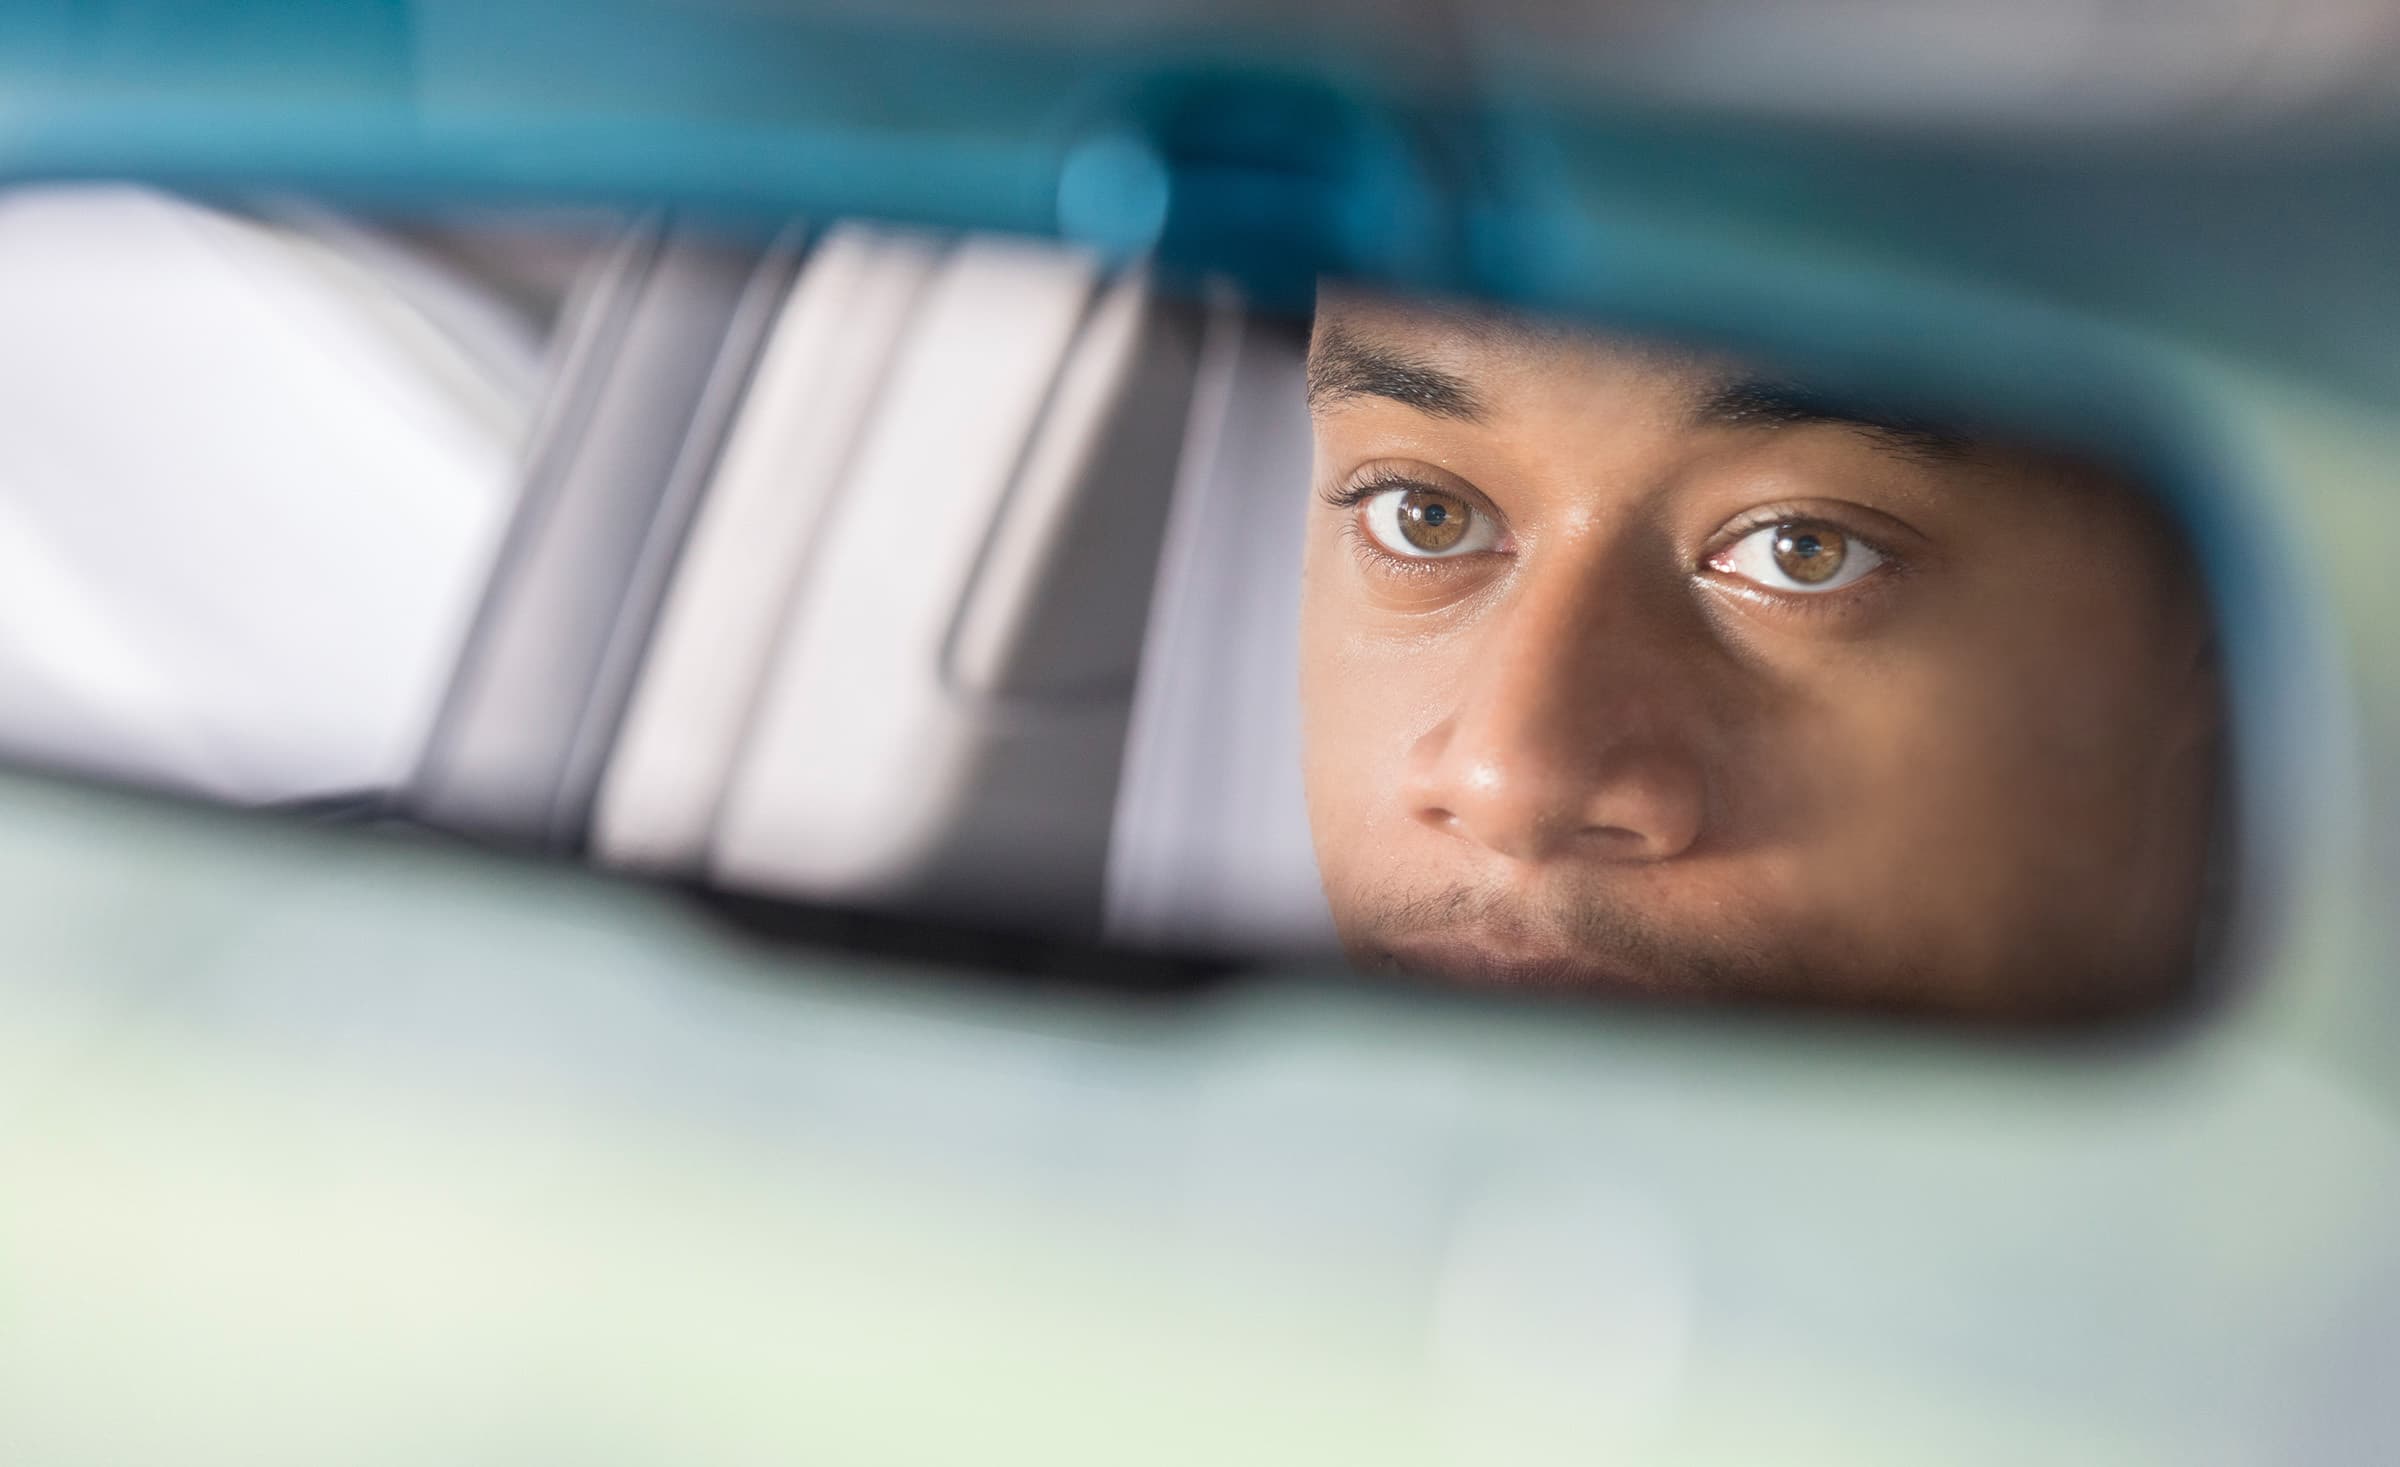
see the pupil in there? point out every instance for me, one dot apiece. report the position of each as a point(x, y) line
point(1807, 547)
point(1435, 514)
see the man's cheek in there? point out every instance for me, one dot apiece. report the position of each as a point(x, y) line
point(1940, 804)
point(1352, 768)
point(1877, 781)
point(1368, 844)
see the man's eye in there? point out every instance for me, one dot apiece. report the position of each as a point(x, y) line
point(1797, 556)
point(1426, 524)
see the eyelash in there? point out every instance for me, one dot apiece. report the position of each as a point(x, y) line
point(1792, 514)
point(1375, 483)
point(1786, 514)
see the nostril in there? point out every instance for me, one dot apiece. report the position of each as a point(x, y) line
point(1619, 842)
point(1438, 818)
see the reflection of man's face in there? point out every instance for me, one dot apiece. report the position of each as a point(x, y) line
point(1622, 670)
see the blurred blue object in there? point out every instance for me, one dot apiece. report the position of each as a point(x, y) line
point(1436, 149)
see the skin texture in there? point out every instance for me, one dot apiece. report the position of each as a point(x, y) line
point(1610, 746)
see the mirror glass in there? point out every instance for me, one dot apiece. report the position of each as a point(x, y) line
point(972, 583)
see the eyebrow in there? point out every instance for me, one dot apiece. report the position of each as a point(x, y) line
point(1342, 367)
point(1764, 402)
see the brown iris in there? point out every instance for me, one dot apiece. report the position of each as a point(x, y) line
point(1810, 554)
point(1433, 521)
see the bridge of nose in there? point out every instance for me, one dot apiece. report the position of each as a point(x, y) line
point(1576, 718)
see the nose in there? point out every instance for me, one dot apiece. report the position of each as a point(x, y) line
point(1577, 732)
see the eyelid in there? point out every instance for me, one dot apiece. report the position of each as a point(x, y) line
point(1354, 500)
point(1371, 479)
point(1751, 560)
point(1842, 518)
point(1380, 515)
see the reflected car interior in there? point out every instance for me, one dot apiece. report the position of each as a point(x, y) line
point(662, 627)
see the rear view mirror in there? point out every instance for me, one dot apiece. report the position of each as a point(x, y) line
point(981, 583)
